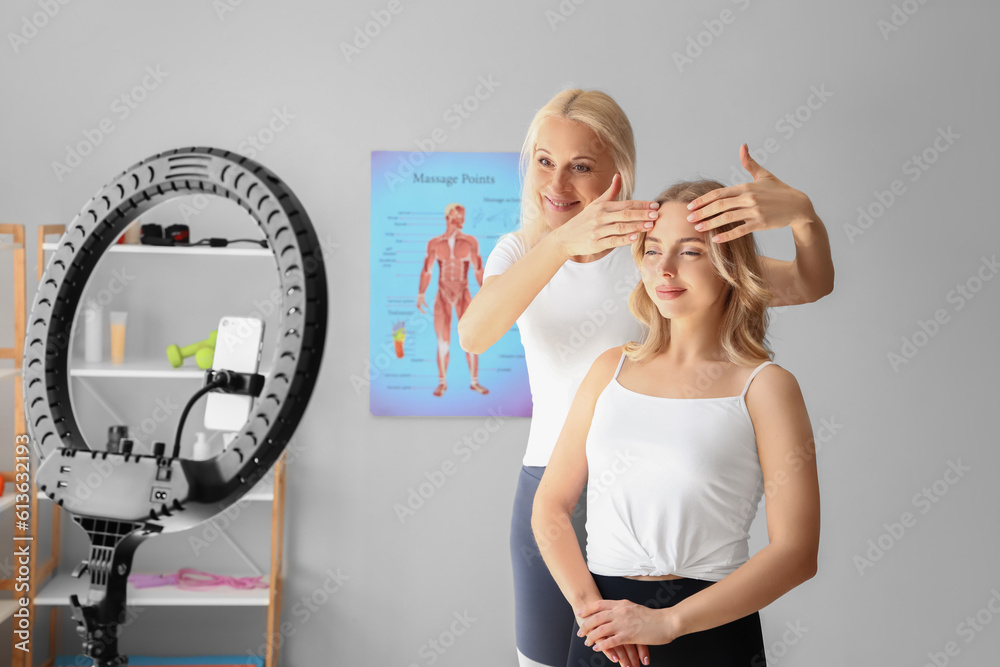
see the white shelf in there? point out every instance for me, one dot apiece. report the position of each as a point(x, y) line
point(57, 590)
point(142, 368)
point(264, 489)
point(10, 246)
point(7, 609)
point(232, 251)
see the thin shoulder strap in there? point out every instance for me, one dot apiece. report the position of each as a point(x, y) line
point(752, 376)
point(618, 370)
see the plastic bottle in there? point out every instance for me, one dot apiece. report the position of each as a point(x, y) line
point(201, 449)
point(93, 340)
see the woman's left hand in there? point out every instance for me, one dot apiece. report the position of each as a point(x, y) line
point(766, 203)
point(610, 623)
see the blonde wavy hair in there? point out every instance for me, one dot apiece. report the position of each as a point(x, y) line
point(744, 322)
point(599, 112)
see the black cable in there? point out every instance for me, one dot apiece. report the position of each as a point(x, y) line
point(221, 243)
point(221, 380)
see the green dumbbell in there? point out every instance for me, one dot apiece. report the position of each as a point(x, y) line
point(204, 357)
point(176, 355)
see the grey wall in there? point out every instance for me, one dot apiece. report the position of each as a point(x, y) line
point(891, 433)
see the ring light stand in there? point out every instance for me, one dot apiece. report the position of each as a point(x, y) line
point(125, 509)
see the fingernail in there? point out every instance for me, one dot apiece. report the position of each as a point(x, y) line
point(691, 217)
point(700, 227)
point(631, 238)
point(648, 225)
point(655, 204)
point(654, 214)
point(690, 205)
point(645, 661)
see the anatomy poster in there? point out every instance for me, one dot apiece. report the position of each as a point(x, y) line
point(435, 218)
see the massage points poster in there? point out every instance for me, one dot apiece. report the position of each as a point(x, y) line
point(435, 218)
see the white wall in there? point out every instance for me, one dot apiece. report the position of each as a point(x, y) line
point(887, 96)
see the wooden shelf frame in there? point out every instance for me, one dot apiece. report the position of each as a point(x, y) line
point(44, 574)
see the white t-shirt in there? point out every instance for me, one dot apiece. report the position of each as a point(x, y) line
point(579, 314)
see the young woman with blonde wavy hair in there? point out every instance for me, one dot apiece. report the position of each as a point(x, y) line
point(676, 458)
point(565, 277)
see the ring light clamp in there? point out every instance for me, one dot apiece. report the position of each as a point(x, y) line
point(121, 512)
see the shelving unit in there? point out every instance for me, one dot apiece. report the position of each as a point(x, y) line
point(182, 250)
point(16, 354)
point(54, 591)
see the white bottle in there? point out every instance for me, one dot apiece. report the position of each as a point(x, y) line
point(93, 330)
point(201, 448)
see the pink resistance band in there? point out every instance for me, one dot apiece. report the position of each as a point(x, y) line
point(189, 579)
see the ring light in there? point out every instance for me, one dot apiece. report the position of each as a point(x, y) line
point(126, 509)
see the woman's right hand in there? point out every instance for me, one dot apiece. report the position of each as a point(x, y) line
point(606, 223)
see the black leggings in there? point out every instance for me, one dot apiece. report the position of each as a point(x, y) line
point(735, 644)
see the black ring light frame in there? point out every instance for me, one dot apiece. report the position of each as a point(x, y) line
point(120, 514)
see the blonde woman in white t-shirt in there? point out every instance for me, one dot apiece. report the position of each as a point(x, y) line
point(565, 276)
point(677, 457)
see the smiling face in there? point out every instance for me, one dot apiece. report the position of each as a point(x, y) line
point(676, 270)
point(570, 168)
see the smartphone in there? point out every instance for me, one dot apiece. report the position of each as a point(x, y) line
point(237, 348)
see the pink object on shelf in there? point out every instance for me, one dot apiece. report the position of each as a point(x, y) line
point(193, 580)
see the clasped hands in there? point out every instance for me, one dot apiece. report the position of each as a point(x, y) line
point(623, 629)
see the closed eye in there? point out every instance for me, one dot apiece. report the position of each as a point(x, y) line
point(686, 252)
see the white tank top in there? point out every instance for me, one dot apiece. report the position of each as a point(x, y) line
point(579, 314)
point(673, 484)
